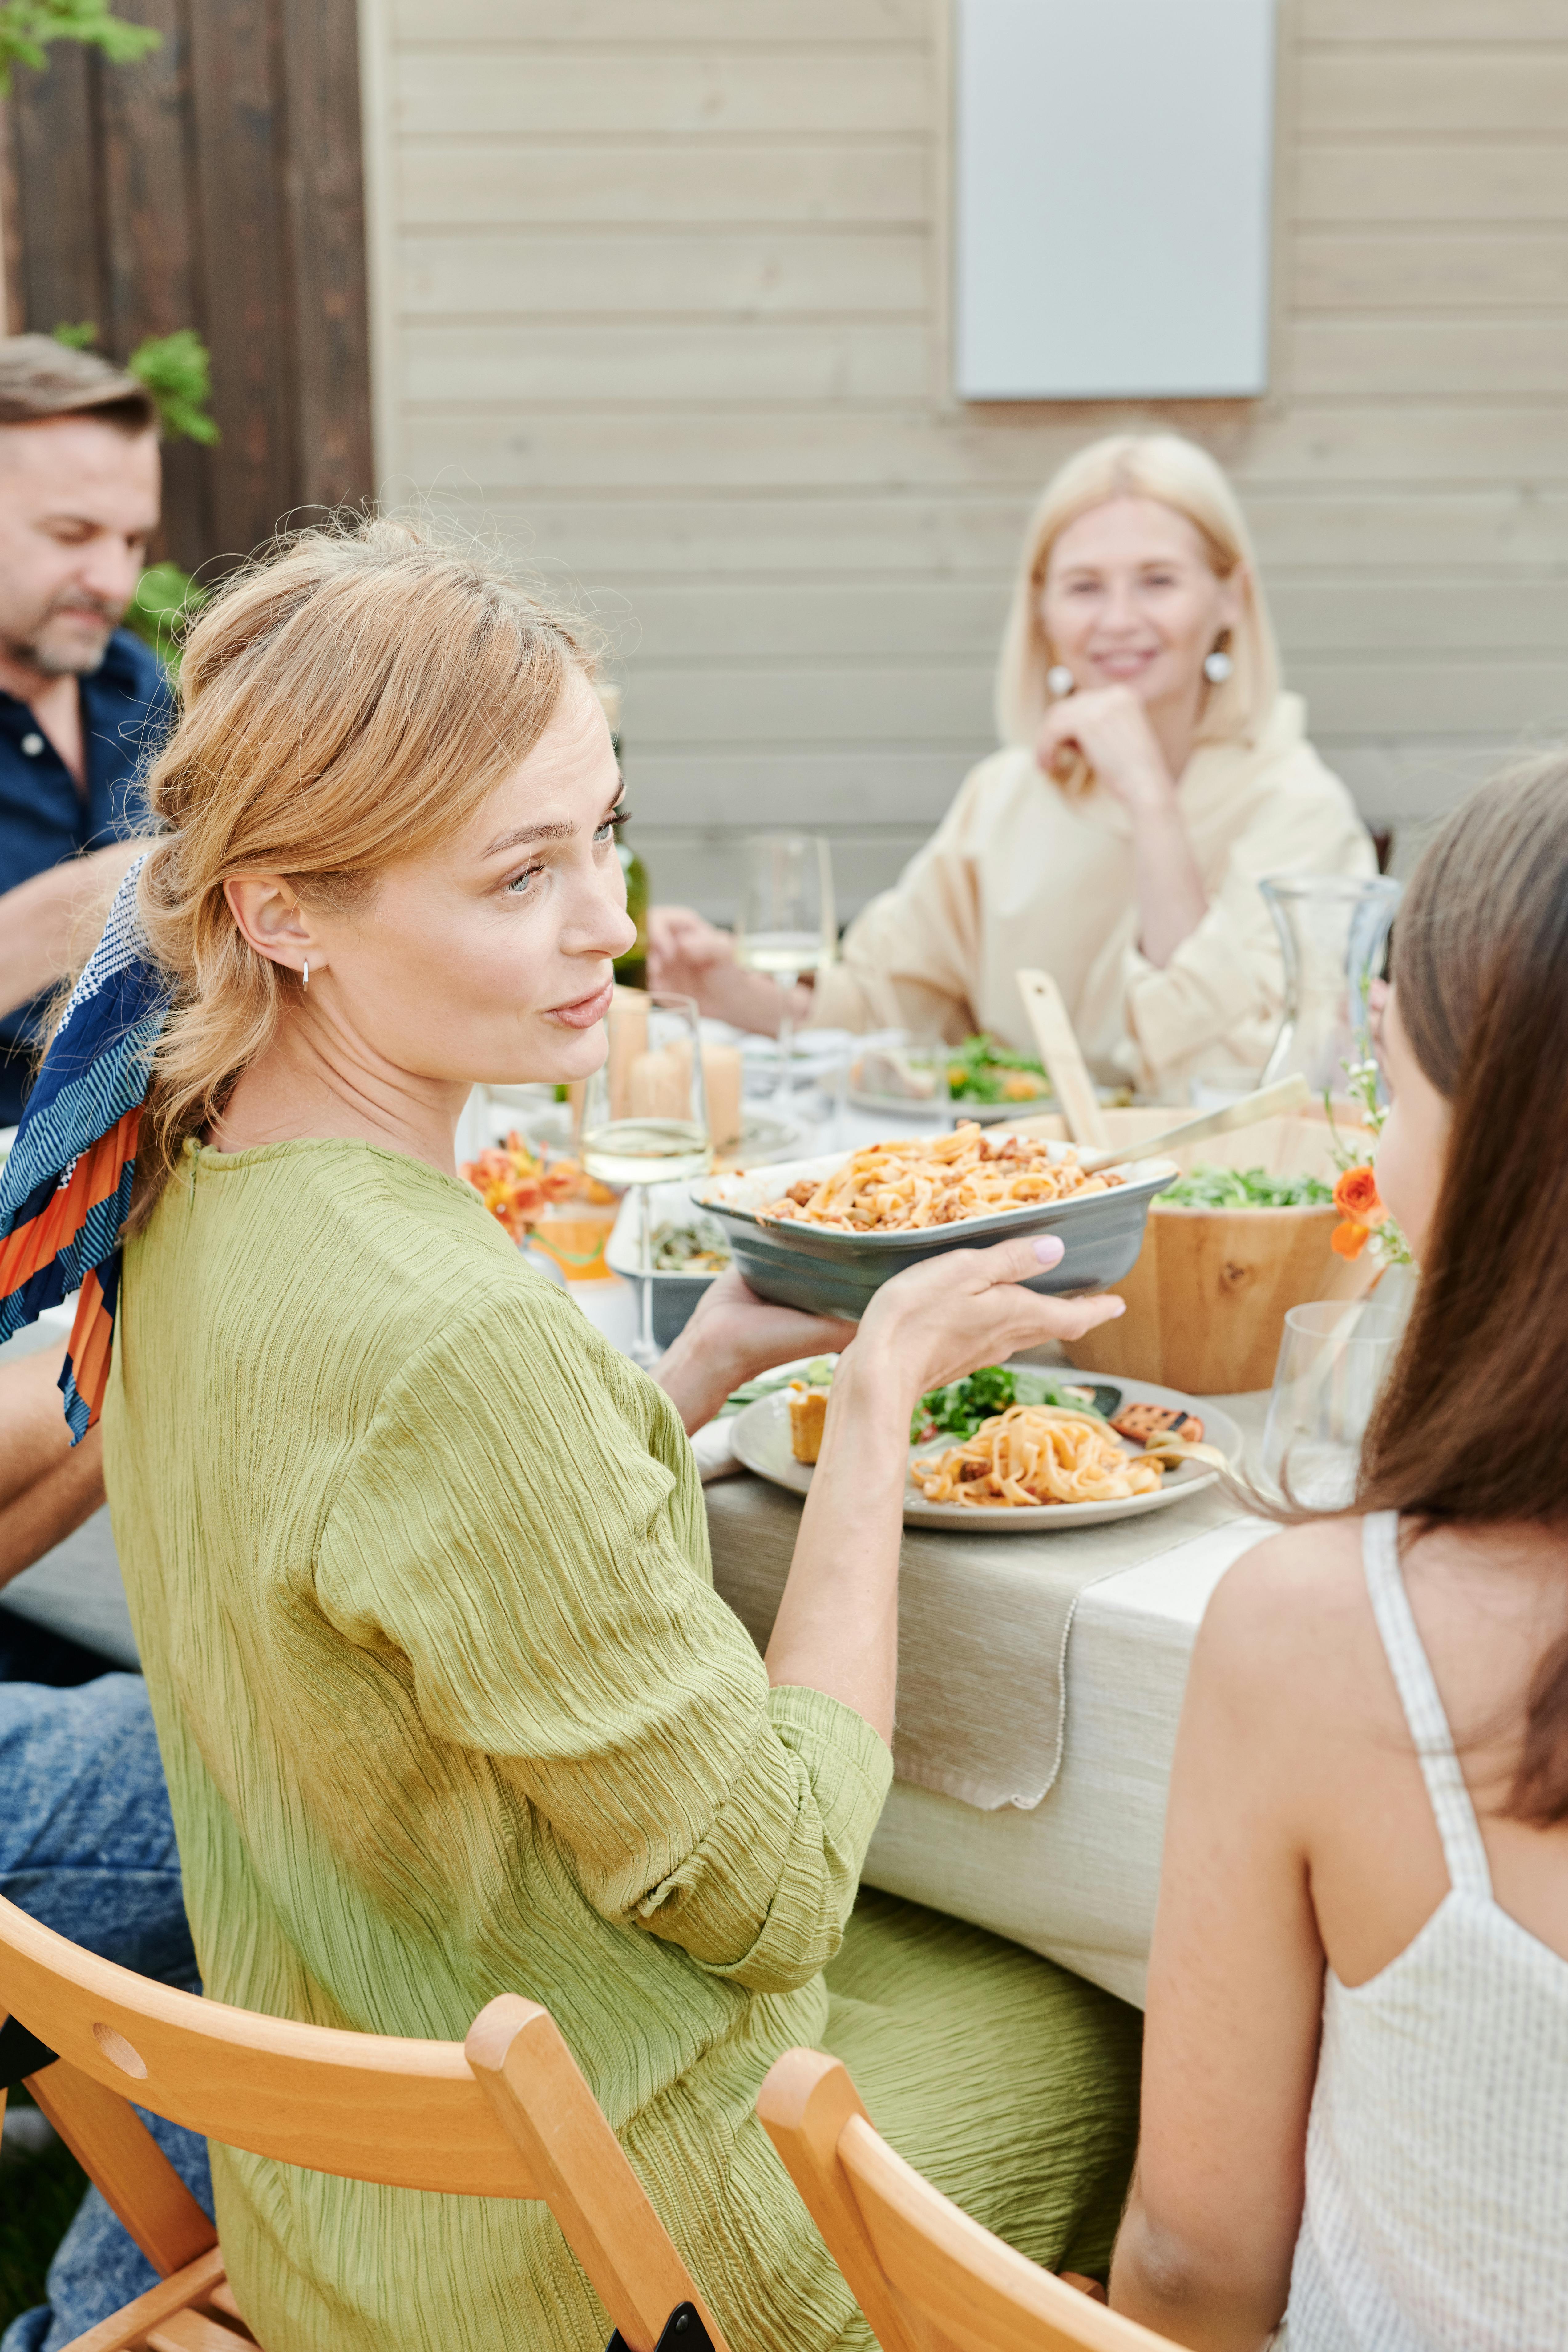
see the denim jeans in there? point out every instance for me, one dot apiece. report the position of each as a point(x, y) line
point(86, 1845)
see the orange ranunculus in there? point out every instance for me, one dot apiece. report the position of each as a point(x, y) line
point(1355, 1197)
point(1349, 1241)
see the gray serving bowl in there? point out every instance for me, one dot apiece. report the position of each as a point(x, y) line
point(830, 1273)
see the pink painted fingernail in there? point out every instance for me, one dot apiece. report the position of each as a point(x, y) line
point(1049, 1250)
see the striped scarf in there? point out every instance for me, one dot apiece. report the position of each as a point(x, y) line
point(65, 1190)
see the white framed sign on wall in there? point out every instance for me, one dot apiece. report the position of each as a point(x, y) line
point(1114, 187)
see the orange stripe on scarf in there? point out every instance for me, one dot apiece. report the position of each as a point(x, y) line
point(93, 1179)
point(92, 1338)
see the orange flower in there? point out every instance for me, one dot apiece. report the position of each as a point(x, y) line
point(1355, 1197)
point(1349, 1241)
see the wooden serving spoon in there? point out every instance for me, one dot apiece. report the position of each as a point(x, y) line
point(1063, 1057)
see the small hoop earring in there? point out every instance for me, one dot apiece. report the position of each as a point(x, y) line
point(1060, 679)
point(306, 981)
point(1218, 664)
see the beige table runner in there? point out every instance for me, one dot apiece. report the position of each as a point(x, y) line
point(983, 1623)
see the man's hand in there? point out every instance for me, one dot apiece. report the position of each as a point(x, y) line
point(47, 1490)
point(50, 924)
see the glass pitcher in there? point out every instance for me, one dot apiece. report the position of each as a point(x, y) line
point(1333, 932)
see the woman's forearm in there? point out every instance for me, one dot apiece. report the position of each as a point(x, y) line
point(1172, 901)
point(1166, 2286)
point(837, 1624)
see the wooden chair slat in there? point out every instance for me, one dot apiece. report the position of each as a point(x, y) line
point(806, 2101)
point(520, 2056)
point(507, 2114)
point(362, 2106)
point(113, 2146)
point(127, 2328)
point(192, 2331)
point(923, 2272)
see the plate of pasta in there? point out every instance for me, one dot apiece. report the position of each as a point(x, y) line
point(824, 1234)
point(1016, 1449)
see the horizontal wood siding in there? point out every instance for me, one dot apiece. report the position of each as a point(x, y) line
point(664, 293)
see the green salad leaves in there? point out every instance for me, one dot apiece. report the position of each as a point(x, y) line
point(817, 1374)
point(1246, 1188)
point(983, 1070)
point(958, 1410)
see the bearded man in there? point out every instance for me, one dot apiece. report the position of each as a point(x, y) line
point(81, 700)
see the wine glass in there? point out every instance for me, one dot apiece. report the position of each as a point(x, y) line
point(645, 1119)
point(1334, 1355)
point(785, 925)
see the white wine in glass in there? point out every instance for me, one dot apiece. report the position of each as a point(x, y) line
point(785, 925)
point(645, 1119)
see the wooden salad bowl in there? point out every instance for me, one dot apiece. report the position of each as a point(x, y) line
point(1207, 1298)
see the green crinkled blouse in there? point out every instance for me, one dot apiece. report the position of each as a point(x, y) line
point(449, 1708)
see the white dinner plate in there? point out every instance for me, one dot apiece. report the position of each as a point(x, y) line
point(900, 1107)
point(760, 1435)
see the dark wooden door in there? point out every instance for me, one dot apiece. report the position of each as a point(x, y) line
point(216, 184)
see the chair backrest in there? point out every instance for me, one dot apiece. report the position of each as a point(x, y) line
point(507, 2113)
point(924, 2274)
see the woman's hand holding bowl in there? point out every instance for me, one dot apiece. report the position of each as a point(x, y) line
point(732, 1335)
point(944, 1319)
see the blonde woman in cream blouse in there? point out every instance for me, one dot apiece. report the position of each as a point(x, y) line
point(1152, 771)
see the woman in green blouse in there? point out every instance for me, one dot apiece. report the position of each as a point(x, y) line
point(419, 1565)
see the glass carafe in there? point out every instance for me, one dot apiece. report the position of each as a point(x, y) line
point(1333, 932)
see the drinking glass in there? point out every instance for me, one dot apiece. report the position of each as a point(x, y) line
point(1334, 1356)
point(786, 924)
point(645, 1119)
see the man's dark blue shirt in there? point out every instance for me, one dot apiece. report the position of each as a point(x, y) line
point(44, 819)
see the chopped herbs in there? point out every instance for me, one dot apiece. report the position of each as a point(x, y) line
point(958, 1410)
point(1246, 1188)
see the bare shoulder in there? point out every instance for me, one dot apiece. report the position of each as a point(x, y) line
point(1290, 1618)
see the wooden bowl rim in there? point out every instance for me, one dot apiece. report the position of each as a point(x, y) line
point(1247, 1209)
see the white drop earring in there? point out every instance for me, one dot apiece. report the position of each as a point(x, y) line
point(1060, 679)
point(305, 982)
point(1218, 664)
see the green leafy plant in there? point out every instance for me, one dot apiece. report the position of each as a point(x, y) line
point(176, 371)
point(27, 27)
point(165, 598)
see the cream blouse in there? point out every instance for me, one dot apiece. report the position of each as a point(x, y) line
point(1019, 875)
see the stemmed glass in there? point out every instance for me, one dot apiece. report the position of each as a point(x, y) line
point(1334, 1356)
point(786, 924)
point(645, 1119)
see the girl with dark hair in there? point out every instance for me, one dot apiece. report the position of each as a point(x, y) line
point(1355, 2088)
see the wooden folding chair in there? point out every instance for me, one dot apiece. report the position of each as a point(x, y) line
point(927, 2277)
point(505, 2113)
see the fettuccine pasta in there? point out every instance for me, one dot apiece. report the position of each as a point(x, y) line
point(1032, 1455)
point(900, 1187)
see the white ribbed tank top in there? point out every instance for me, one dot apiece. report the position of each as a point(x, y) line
point(1436, 2206)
